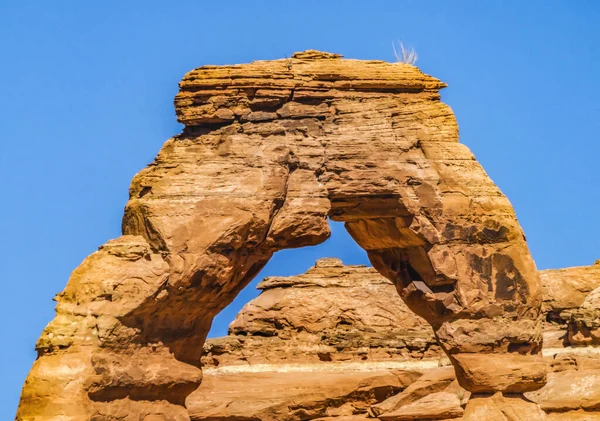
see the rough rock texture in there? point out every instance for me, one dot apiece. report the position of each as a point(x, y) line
point(569, 390)
point(292, 396)
point(285, 330)
point(502, 407)
point(330, 313)
point(269, 151)
point(564, 292)
point(335, 313)
point(584, 322)
point(437, 406)
point(432, 382)
point(574, 416)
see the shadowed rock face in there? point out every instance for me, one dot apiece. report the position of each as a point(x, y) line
point(270, 150)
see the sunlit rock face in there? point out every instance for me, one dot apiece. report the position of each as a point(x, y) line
point(331, 313)
point(572, 305)
point(337, 341)
point(269, 151)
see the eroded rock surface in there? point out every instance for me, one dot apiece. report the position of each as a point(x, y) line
point(281, 335)
point(269, 151)
point(293, 396)
point(330, 313)
point(569, 322)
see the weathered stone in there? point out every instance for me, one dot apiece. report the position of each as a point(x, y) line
point(274, 331)
point(431, 382)
point(584, 322)
point(573, 416)
point(330, 313)
point(567, 288)
point(564, 292)
point(499, 407)
point(509, 373)
point(436, 406)
point(364, 142)
point(289, 396)
point(569, 390)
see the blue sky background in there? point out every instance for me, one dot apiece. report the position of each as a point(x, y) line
point(86, 94)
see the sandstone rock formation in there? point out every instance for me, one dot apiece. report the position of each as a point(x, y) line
point(269, 151)
point(291, 337)
point(569, 321)
point(331, 313)
point(293, 396)
point(584, 323)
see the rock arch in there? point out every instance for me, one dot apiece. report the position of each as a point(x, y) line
point(269, 151)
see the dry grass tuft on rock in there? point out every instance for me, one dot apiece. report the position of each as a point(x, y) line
point(404, 55)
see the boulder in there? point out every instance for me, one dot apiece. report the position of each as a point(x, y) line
point(569, 390)
point(433, 381)
point(436, 406)
point(290, 395)
point(502, 407)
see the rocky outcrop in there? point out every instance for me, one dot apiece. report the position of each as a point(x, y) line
point(269, 151)
point(330, 313)
point(335, 313)
point(430, 384)
point(568, 320)
point(570, 390)
point(293, 395)
point(584, 322)
point(337, 318)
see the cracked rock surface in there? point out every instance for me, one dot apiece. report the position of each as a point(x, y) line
point(287, 346)
point(330, 313)
point(269, 151)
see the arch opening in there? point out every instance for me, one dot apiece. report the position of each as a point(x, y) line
point(291, 262)
point(260, 166)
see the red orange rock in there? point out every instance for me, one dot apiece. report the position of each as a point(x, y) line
point(269, 151)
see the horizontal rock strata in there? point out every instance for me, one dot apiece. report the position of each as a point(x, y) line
point(270, 150)
point(331, 313)
point(569, 321)
point(347, 319)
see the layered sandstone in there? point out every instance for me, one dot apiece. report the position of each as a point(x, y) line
point(269, 151)
point(288, 348)
point(335, 312)
point(572, 305)
point(330, 313)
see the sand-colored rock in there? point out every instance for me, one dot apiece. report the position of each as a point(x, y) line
point(330, 313)
point(569, 390)
point(564, 292)
point(482, 373)
point(500, 407)
point(269, 151)
point(436, 406)
point(584, 322)
point(567, 288)
point(274, 330)
point(573, 416)
point(263, 321)
point(290, 396)
point(433, 381)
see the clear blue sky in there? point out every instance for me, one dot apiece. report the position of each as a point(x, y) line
point(86, 93)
